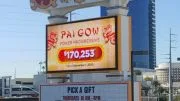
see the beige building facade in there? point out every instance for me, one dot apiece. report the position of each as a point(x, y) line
point(162, 72)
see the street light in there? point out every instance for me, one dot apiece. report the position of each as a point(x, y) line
point(42, 67)
point(40, 63)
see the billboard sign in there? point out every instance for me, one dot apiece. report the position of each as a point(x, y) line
point(83, 45)
point(114, 91)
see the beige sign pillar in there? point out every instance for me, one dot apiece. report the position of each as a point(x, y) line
point(119, 7)
point(57, 19)
point(57, 77)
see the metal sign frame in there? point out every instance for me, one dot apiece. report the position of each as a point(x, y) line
point(87, 70)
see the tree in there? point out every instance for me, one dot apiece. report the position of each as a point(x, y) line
point(148, 78)
point(137, 72)
point(156, 86)
point(146, 90)
point(155, 83)
point(159, 91)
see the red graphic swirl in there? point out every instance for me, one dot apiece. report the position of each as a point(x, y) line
point(79, 1)
point(52, 40)
point(43, 4)
point(108, 35)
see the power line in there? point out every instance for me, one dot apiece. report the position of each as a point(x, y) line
point(25, 13)
point(22, 25)
point(23, 37)
point(21, 20)
point(21, 50)
point(13, 6)
point(16, 31)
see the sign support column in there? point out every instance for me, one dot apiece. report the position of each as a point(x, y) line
point(116, 8)
point(54, 19)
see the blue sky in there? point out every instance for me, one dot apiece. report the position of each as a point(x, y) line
point(22, 36)
point(167, 16)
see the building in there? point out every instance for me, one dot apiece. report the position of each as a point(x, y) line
point(151, 74)
point(162, 72)
point(6, 86)
point(23, 87)
point(143, 25)
point(39, 79)
point(18, 87)
point(143, 32)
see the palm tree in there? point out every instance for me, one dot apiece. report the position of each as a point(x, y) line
point(158, 90)
point(155, 84)
point(146, 90)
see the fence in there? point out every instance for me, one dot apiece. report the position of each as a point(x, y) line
point(146, 98)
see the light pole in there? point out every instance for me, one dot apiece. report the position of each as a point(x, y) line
point(40, 63)
point(41, 66)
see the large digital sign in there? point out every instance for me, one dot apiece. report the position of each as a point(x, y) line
point(83, 45)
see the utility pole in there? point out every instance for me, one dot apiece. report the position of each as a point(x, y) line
point(15, 73)
point(170, 66)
